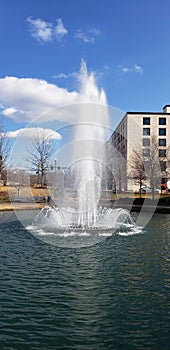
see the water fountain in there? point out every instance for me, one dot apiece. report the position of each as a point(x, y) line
point(87, 219)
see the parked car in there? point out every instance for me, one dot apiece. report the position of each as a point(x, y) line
point(157, 190)
point(146, 189)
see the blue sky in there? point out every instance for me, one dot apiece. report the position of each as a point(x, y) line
point(125, 43)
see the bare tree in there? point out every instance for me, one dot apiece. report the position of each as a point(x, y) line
point(120, 172)
point(40, 152)
point(116, 169)
point(137, 167)
point(4, 154)
point(150, 164)
point(153, 164)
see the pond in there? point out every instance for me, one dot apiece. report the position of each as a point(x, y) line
point(112, 295)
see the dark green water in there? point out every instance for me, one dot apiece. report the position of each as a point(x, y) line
point(113, 295)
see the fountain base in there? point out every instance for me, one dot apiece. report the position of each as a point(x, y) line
point(65, 227)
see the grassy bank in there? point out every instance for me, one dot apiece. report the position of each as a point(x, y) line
point(8, 192)
point(125, 198)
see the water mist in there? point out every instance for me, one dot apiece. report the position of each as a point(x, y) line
point(86, 222)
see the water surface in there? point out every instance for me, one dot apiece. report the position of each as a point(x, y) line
point(113, 295)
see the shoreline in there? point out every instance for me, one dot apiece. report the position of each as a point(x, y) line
point(162, 209)
point(147, 208)
point(21, 206)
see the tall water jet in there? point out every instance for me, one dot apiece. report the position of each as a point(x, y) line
point(80, 220)
point(89, 153)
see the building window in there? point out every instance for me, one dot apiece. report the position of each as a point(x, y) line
point(162, 131)
point(146, 131)
point(163, 166)
point(146, 152)
point(162, 121)
point(162, 142)
point(162, 152)
point(146, 121)
point(146, 142)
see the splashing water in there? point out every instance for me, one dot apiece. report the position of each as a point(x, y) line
point(87, 219)
point(59, 226)
point(90, 156)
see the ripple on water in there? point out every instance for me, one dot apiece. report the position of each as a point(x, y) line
point(108, 296)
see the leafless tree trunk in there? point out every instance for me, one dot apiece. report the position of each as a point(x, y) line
point(137, 168)
point(4, 153)
point(150, 167)
point(40, 152)
point(152, 164)
point(119, 169)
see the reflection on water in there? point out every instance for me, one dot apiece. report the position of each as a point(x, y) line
point(113, 295)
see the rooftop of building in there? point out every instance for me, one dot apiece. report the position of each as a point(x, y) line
point(166, 110)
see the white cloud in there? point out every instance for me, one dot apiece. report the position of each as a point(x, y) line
point(138, 69)
point(9, 111)
point(25, 98)
point(40, 29)
point(65, 76)
point(60, 30)
point(29, 133)
point(95, 31)
point(61, 75)
point(135, 69)
point(125, 69)
point(36, 101)
point(84, 37)
point(88, 36)
point(45, 31)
